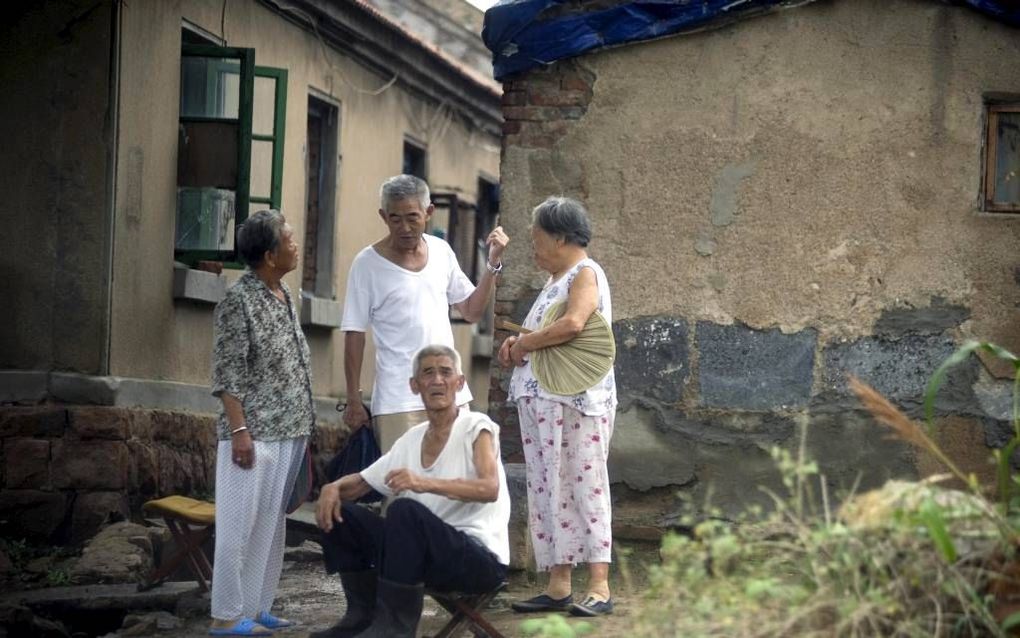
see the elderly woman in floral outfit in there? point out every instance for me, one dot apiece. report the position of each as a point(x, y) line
point(261, 373)
point(566, 438)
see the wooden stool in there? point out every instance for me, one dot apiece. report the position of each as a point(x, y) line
point(466, 612)
point(180, 514)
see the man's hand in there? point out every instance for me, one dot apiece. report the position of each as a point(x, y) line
point(496, 241)
point(328, 510)
point(355, 415)
point(242, 450)
point(404, 479)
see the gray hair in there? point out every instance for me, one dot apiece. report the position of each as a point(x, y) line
point(401, 187)
point(259, 234)
point(435, 350)
point(565, 218)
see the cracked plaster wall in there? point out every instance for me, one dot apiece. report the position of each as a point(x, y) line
point(788, 198)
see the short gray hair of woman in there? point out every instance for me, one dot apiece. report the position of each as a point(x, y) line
point(565, 218)
point(401, 187)
point(435, 350)
point(260, 233)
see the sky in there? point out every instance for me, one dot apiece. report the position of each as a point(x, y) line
point(482, 4)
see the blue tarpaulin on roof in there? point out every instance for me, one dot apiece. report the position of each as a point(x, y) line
point(524, 34)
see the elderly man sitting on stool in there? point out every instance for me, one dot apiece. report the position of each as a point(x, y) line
point(447, 527)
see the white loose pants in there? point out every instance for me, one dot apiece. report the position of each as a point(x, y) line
point(251, 525)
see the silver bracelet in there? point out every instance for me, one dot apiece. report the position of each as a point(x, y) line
point(240, 429)
point(494, 269)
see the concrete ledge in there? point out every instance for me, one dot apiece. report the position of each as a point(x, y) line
point(198, 285)
point(34, 386)
point(69, 387)
point(320, 313)
point(17, 386)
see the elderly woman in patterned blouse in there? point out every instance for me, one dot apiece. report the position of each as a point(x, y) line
point(566, 438)
point(261, 373)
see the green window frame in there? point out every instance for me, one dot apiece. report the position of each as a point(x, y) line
point(247, 72)
point(243, 122)
point(279, 76)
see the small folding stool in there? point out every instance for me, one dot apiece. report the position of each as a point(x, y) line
point(466, 612)
point(191, 522)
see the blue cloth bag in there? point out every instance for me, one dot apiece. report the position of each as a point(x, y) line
point(360, 451)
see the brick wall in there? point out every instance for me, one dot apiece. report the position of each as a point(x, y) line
point(540, 107)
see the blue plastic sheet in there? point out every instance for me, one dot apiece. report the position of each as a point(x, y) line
point(521, 37)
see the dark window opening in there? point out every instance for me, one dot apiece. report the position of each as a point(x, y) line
point(1002, 157)
point(415, 160)
point(320, 197)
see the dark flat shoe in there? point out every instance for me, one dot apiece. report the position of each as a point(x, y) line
point(592, 607)
point(543, 602)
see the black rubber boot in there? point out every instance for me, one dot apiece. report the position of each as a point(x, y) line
point(397, 611)
point(360, 591)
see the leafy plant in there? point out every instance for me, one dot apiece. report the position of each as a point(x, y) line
point(58, 577)
point(1006, 482)
point(17, 550)
point(910, 559)
point(554, 626)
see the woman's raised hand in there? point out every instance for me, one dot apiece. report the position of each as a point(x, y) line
point(504, 352)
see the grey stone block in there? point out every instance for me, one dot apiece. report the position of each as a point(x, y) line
point(198, 285)
point(852, 449)
point(935, 319)
point(646, 456)
point(900, 369)
point(521, 556)
point(748, 369)
point(651, 358)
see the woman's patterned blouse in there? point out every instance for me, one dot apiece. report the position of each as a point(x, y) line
point(261, 358)
point(601, 397)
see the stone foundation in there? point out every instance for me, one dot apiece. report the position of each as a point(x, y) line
point(69, 470)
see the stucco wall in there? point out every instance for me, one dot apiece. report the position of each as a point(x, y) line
point(154, 337)
point(54, 121)
point(776, 202)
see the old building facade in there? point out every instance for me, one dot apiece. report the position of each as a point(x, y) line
point(139, 134)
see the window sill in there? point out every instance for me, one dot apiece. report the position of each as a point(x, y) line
point(320, 313)
point(199, 285)
point(481, 346)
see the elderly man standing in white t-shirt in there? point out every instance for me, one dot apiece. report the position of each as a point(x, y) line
point(446, 528)
point(402, 288)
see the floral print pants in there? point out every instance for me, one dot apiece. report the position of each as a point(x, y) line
point(569, 510)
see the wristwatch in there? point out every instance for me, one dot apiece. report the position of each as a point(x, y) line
point(498, 268)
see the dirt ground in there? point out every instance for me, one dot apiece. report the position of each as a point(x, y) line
point(313, 599)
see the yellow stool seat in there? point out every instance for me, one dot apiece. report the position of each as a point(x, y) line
point(184, 508)
point(180, 514)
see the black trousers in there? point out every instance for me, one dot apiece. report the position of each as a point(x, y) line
point(411, 546)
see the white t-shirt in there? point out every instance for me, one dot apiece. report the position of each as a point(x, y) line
point(486, 522)
point(406, 311)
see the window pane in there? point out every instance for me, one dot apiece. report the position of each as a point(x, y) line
point(1007, 159)
point(205, 219)
point(264, 109)
point(261, 168)
point(207, 154)
point(210, 87)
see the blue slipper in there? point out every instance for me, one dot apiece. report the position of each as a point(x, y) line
point(243, 627)
point(270, 621)
point(543, 602)
point(592, 607)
